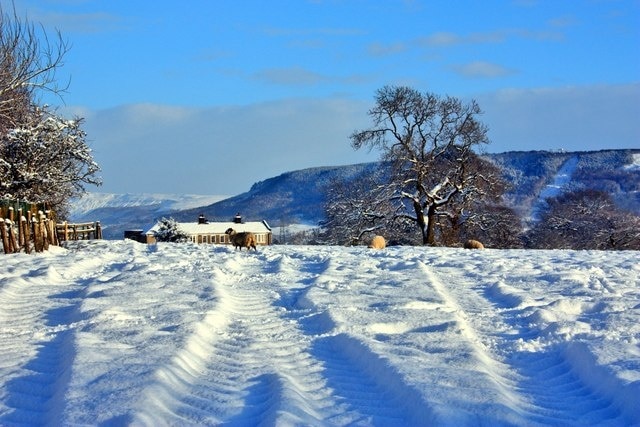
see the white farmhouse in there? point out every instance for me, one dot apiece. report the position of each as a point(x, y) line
point(213, 232)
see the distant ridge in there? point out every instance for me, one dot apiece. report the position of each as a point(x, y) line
point(292, 197)
point(297, 197)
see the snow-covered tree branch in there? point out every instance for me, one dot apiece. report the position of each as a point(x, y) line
point(44, 158)
point(430, 142)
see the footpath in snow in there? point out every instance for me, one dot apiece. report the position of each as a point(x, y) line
point(119, 333)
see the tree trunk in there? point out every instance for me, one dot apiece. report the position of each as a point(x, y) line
point(430, 237)
point(420, 221)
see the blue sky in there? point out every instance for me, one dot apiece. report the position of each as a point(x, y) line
point(208, 97)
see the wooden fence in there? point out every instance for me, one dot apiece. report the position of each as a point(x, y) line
point(26, 231)
point(80, 231)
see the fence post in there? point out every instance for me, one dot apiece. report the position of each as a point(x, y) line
point(5, 237)
point(20, 233)
point(51, 229)
point(13, 242)
point(37, 236)
point(43, 230)
point(24, 227)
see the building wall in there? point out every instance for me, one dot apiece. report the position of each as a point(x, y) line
point(214, 233)
point(262, 239)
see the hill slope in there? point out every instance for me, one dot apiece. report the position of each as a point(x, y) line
point(298, 196)
point(293, 197)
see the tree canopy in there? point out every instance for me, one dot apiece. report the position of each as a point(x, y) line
point(44, 158)
point(430, 142)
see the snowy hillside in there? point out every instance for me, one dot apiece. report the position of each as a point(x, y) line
point(117, 333)
point(295, 197)
point(298, 197)
point(160, 202)
point(120, 212)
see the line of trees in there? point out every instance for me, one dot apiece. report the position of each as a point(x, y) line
point(433, 187)
point(585, 219)
point(44, 158)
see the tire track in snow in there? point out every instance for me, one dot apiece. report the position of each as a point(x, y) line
point(562, 381)
point(42, 376)
point(264, 353)
point(368, 390)
point(557, 393)
point(542, 384)
point(245, 342)
point(486, 380)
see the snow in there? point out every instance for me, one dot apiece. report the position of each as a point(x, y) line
point(163, 202)
point(555, 189)
point(635, 163)
point(120, 333)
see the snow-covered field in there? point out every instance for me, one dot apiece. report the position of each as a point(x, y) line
point(118, 333)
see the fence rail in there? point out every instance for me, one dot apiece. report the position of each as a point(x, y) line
point(28, 231)
point(79, 231)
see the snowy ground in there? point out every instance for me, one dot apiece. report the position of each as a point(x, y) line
point(118, 333)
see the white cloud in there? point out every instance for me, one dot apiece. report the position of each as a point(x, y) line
point(441, 39)
point(380, 49)
point(290, 76)
point(226, 149)
point(88, 23)
point(572, 118)
point(482, 69)
point(221, 150)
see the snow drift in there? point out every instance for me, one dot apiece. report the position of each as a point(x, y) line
point(115, 332)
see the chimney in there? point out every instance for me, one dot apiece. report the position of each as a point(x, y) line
point(237, 219)
point(202, 219)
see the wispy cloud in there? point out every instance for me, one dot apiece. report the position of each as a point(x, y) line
point(441, 39)
point(380, 49)
point(79, 22)
point(562, 22)
point(307, 32)
point(482, 69)
point(299, 76)
point(446, 39)
point(290, 76)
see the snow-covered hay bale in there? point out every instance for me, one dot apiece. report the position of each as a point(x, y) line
point(242, 240)
point(473, 244)
point(378, 242)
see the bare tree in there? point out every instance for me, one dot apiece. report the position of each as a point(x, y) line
point(355, 208)
point(30, 60)
point(585, 219)
point(430, 142)
point(479, 212)
point(43, 157)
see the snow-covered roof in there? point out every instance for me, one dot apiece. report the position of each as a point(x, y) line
point(193, 228)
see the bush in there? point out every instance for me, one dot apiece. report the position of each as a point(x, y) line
point(169, 231)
